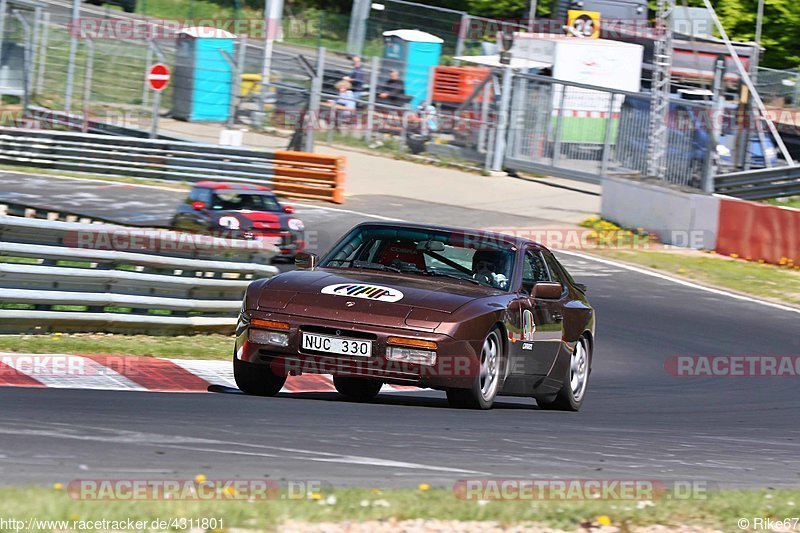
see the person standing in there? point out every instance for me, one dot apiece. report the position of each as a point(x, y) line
point(357, 77)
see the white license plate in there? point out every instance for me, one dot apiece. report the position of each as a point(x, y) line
point(337, 345)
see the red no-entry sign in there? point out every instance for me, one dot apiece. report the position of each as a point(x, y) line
point(158, 77)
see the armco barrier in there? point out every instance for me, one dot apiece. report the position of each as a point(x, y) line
point(759, 231)
point(292, 174)
point(66, 276)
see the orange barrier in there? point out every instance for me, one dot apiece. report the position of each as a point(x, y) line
point(758, 231)
point(312, 176)
point(455, 84)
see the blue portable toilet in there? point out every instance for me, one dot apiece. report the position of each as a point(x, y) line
point(203, 78)
point(413, 52)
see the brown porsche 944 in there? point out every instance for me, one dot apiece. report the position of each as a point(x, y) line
point(472, 313)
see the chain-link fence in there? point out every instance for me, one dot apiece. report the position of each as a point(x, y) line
point(590, 132)
point(779, 88)
point(19, 28)
point(462, 33)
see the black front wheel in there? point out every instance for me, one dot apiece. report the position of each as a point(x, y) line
point(256, 380)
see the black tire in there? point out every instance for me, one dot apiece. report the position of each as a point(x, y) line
point(360, 389)
point(482, 394)
point(567, 398)
point(256, 380)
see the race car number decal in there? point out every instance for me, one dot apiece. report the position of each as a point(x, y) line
point(368, 292)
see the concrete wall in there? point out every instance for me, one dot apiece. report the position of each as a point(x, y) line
point(679, 218)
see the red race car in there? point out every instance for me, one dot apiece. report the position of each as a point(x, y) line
point(241, 211)
point(472, 313)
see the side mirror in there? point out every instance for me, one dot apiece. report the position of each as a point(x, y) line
point(547, 290)
point(305, 261)
point(198, 206)
point(288, 209)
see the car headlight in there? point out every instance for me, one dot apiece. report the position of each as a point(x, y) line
point(295, 224)
point(723, 151)
point(411, 355)
point(262, 336)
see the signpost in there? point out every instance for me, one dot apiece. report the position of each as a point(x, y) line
point(158, 77)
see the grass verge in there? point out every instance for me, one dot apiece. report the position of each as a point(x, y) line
point(719, 510)
point(792, 201)
point(780, 283)
point(213, 346)
point(758, 280)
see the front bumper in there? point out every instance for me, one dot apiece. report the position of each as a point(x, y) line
point(456, 366)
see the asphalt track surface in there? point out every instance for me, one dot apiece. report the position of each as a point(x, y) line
point(638, 422)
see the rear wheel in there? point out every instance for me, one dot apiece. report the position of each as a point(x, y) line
point(484, 389)
point(257, 380)
point(360, 389)
point(573, 390)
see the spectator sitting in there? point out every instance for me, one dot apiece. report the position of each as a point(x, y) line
point(345, 102)
point(393, 89)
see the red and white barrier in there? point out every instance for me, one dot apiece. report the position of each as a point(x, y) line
point(127, 373)
point(756, 231)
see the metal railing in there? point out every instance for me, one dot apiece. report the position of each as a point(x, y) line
point(292, 174)
point(66, 276)
point(760, 184)
point(167, 160)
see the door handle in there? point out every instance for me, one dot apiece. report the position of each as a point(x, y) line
point(557, 317)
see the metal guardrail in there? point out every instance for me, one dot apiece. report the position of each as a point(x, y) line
point(292, 174)
point(66, 276)
point(760, 184)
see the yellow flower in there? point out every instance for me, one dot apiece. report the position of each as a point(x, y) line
point(604, 520)
point(681, 271)
point(734, 255)
point(199, 478)
point(58, 486)
point(377, 492)
point(315, 496)
point(424, 486)
point(230, 491)
point(761, 261)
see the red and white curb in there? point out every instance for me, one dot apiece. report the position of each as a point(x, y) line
point(116, 372)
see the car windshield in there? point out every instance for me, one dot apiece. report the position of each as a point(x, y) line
point(238, 201)
point(467, 257)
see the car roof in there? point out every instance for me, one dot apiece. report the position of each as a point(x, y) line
point(232, 186)
point(519, 242)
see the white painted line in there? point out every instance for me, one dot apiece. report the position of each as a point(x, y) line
point(685, 283)
point(180, 442)
point(349, 211)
